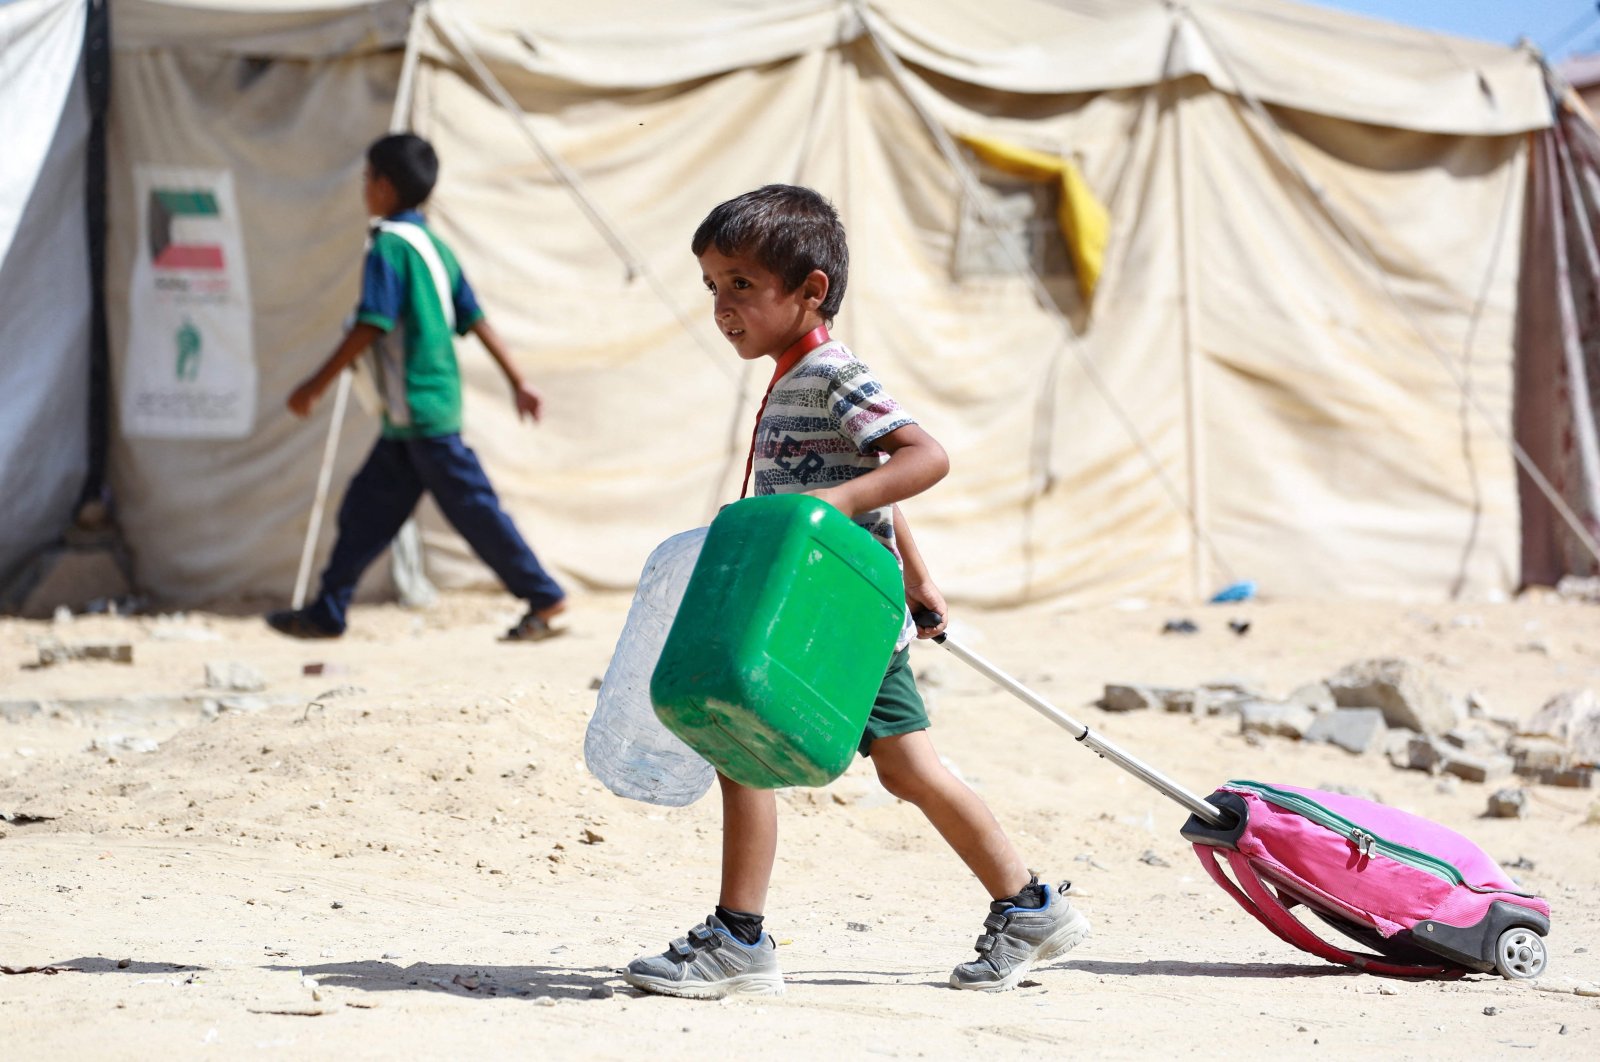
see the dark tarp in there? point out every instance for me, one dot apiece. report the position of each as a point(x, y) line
point(1558, 344)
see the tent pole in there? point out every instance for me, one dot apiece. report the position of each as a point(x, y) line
point(399, 119)
point(407, 563)
point(1567, 173)
point(97, 77)
point(1187, 284)
point(632, 260)
point(400, 116)
point(330, 449)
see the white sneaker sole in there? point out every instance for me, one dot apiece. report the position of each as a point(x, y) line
point(1068, 936)
point(741, 985)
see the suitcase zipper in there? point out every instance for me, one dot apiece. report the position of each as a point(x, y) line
point(1364, 841)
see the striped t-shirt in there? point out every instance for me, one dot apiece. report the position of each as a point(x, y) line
point(818, 430)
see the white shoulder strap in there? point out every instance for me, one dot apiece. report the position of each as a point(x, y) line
point(419, 241)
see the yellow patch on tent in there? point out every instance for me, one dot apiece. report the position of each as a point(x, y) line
point(1085, 222)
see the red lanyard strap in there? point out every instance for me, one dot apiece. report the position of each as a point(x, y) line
point(786, 361)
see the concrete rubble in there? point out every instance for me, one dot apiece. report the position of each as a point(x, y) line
point(1509, 803)
point(55, 652)
point(139, 706)
point(1408, 695)
point(1356, 730)
point(1572, 718)
point(1398, 709)
point(233, 676)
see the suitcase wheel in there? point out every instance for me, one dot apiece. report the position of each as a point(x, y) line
point(1519, 954)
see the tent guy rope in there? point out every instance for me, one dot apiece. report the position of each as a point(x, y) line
point(635, 262)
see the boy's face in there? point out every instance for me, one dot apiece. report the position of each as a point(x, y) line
point(379, 195)
point(751, 307)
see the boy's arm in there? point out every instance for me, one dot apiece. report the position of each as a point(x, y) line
point(916, 462)
point(528, 401)
point(358, 339)
point(921, 593)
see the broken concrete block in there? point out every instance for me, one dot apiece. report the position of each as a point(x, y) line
point(232, 675)
point(1423, 753)
point(1471, 768)
point(1473, 739)
point(1314, 695)
point(1534, 754)
point(1187, 701)
point(51, 653)
point(1580, 588)
point(1572, 717)
point(115, 743)
point(1275, 719)
point(129, 706)
point(1408, 695)
point(1204, 701)
point(1355, 730)
point(1236, 687)
point(1131, 698)
point(1397, 747)
point(1507, 804)
point(17, 711)
point(1220, 701)
point(1557, 715)
point(1567, 778)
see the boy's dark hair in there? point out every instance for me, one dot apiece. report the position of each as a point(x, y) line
point(407, 162)
point(789, 230)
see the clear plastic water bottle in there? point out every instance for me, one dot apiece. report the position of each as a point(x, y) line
point(626, 747)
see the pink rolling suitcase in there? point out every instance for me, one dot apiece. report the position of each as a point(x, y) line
point(1428, 901)
point(1425, 900)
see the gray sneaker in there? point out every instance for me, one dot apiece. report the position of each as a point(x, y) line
point(1014, 938)
point(710, 963)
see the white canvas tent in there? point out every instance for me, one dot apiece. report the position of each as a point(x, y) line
point(1314, 243)
point(45, 295)
point(1582, 72)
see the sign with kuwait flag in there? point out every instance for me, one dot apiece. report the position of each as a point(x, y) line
point(190, 370)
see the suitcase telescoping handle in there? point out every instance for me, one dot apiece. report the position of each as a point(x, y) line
point(1210, 814)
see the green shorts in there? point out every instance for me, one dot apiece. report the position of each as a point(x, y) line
point(899, 708)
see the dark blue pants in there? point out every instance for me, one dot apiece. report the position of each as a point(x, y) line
point(386, 490)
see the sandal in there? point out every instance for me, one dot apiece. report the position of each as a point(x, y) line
point(533, 627)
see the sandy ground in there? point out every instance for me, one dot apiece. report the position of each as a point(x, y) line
point(406, 855)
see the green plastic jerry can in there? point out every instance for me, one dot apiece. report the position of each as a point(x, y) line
point(781, 643)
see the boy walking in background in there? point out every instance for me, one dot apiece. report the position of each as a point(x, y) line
point(776, 263)
point(414, 301)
